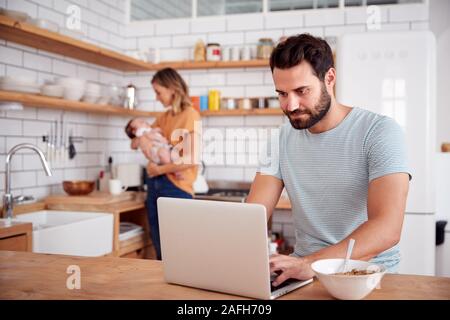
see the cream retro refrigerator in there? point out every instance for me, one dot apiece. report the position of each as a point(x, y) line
point(393, 73)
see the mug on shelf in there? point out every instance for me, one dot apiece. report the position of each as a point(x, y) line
point(235, 54)
point(246, 53)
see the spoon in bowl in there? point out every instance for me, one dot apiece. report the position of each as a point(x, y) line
point(351, 243)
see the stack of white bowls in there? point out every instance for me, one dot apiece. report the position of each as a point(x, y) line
point(74, 88)
point(19, 83)
point(93, 92)
point(52, 90)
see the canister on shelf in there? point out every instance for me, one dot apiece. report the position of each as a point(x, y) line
point(261, 102)
point(231, 104)
point(130, 101)
point(214, 100)
point(199, 51)
point(246, 53)
point(203, 103)
point(196, 102)
point(264, 49)
point(235, 53)
point(213, 52)
point(245, 104)
point(226, 54)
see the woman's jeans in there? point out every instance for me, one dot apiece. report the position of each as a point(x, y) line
point(160, 186)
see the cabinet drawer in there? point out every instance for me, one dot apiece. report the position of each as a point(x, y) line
point(14, 243)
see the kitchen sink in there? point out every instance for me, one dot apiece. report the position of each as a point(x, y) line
point(71, 232)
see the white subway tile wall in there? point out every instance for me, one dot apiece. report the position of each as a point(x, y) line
point(103, 23)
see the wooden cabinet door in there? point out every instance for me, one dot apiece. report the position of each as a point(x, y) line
point(14, 243)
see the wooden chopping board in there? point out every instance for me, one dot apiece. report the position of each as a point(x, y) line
point(95, 198)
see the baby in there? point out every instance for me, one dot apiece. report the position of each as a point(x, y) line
point(159, 152)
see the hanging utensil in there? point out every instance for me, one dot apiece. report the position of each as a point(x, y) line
point(72, 150)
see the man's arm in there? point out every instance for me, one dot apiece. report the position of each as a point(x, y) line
point(265, 190)
point(385, 210)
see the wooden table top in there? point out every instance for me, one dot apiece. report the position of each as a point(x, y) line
point(25, 275)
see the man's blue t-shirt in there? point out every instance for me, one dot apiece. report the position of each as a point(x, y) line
point(327, 176)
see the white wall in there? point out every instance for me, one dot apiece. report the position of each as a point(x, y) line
point(103, 24)
point(440, 25)
point(176, 38)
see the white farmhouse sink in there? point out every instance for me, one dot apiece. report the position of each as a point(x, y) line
point(71, 232)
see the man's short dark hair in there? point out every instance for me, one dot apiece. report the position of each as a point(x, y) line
point(295, 49)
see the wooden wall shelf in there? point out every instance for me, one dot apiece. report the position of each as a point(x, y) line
point(240, 112)
point(212, 64)
point(34, 100)
point(35, 37)
point(38, 101)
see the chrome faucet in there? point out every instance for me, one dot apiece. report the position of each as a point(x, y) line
point(8, 199)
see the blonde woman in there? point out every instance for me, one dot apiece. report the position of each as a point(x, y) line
point(177, 126)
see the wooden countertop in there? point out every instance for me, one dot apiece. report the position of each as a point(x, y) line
point(13, 228)
point(25, 275)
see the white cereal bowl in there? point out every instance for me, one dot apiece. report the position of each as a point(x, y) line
point(52, 90)
point(74, 94)
point(348, 287)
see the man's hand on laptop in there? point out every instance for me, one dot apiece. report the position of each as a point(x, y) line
point(289, 267)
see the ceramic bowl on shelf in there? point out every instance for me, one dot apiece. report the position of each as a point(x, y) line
point(74, 88)
point(44, 24)
point(52, 90)
point(18, 15)
point(93, 89)
point(20, 84)
point(74, 94)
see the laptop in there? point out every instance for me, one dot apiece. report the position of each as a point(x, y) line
point(218, 246)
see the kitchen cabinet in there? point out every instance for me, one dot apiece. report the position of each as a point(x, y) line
point(16, 237)
point(417, 244)
point(35, 37)
point(130, 211)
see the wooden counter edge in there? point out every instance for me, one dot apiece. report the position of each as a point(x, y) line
point(24, 270)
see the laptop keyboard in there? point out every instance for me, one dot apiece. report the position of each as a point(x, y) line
point(284, 284)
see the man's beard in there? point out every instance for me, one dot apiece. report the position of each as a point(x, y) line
point(320, 110)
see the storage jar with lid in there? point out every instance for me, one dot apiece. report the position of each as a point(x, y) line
point(214, 100)
point(264, 49)
point(213, 52)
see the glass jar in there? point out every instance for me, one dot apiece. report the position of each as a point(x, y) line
point(213, 52)
point(200, 51)
point(264, 49)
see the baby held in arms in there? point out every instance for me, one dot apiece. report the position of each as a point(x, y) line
point(150, 140)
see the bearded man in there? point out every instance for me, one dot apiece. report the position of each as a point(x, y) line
point(344, 168)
